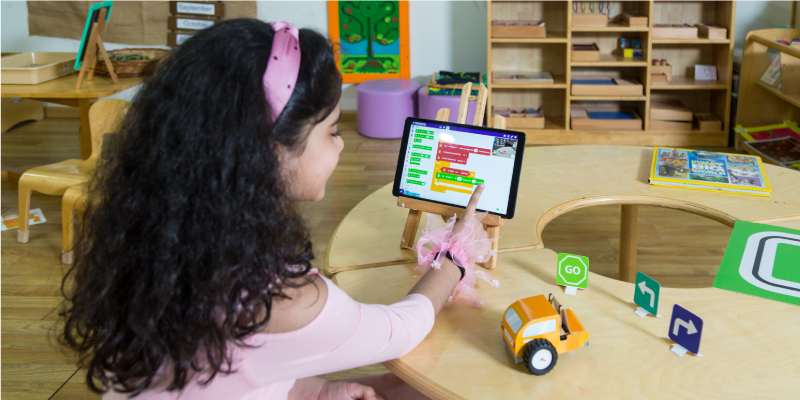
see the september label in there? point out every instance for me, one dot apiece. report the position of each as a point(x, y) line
point(193, 8)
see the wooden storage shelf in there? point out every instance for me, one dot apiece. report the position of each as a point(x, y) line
point(687, 83)
point(559, 82)
point(553, 53)
point(612, 27)
point(612, 60)
point(692, 41)
point(608, 98)
point(793, 99)
point(551, 37)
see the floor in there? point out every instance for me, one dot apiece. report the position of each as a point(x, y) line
point(34, 367)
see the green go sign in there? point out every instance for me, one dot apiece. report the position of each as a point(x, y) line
point(573, 270)
point(646, 295)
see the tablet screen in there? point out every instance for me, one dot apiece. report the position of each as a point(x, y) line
point(445, 162)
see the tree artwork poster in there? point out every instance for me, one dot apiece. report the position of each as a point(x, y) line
point(370, 39)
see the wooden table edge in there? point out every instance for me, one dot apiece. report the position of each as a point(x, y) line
point(563, 208)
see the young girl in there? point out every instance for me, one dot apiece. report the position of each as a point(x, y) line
point(192, 278)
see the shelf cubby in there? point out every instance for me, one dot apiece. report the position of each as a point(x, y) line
point(553, 54)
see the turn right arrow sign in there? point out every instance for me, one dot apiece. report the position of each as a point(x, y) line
point(689, 337)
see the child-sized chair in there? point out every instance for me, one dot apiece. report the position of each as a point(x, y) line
point(54, 179)
point(74, 200)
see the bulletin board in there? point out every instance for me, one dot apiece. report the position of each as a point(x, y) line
point(370, 38)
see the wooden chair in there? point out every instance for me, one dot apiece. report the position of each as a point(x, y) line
point(74, 200)
point(54, 179)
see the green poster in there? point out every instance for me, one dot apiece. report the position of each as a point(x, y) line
point(573, 270)
point(762, 260)
point(646, 295)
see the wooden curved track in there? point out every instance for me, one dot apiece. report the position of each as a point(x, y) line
point(557, 180)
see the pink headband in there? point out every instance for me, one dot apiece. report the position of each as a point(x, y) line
point(283, 67)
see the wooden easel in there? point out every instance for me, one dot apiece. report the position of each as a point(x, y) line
point(492, 223)
point(94, 44)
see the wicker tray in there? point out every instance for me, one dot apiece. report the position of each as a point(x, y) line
point(130, 69)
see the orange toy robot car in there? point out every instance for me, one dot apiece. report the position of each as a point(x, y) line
point(531, 330)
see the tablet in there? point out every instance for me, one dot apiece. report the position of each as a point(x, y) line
point(443, 162)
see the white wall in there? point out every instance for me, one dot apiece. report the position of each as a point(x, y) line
point(753, 15)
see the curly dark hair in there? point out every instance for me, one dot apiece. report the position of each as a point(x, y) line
point(189, 230)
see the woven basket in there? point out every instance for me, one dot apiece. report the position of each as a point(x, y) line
point(130, 69)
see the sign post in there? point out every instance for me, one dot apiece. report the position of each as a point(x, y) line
point(645, 295)
point(685, 329)
point(572, 272)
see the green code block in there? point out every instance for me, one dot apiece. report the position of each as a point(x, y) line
point(424, 136)
point(417, 140)
point(456, 178)
point(413, 182)
point(421, 147)
point(410, 175)
point(420, 155)
point(419, 171)
point(416, 159)
point(426, 156)
point(414, 163)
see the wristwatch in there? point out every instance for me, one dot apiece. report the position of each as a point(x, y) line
point(450, 257)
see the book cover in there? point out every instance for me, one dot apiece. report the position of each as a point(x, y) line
point(708, 170)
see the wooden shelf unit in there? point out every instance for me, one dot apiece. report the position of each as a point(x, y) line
point(759, 103)
point(553, 54)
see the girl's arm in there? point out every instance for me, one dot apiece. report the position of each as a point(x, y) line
point(438, 285)
point(316, 388)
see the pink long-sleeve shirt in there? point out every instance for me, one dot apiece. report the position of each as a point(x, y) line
point(345, 334)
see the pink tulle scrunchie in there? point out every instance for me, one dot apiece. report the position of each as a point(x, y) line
point(469, 246)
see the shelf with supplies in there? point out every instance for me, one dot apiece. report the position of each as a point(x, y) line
point(619, 43)
point(761, 102)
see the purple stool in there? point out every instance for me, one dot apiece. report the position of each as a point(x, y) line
point(430, 105)
point(383, 106)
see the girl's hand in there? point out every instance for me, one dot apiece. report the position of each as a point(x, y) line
point(470, 211)
point(342, 390)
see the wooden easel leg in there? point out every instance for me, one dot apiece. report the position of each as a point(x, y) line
point(627, 243)
point(493, 233)
point(107, 60)
point(410, 231)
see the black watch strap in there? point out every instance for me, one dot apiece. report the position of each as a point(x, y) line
point(450, 257)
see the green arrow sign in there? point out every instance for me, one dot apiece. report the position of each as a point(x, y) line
point(646, 295)
point(573, 270)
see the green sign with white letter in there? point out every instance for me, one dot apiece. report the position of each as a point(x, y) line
point(573, 270)
point(762, 260)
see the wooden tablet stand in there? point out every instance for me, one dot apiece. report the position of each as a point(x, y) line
point(492, 223)
point(94, 44)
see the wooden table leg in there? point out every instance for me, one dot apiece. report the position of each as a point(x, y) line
point(85, 132)
point(627, 243)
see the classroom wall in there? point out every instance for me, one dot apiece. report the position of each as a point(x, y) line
point(443, 35)
point(754, 15)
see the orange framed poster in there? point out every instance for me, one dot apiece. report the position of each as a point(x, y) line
point(371, 39)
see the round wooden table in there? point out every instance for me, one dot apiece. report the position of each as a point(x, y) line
point(748, 342)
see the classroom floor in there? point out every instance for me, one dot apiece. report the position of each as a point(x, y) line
point(34, 367)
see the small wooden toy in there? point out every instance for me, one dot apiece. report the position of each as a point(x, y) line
point(532, 332)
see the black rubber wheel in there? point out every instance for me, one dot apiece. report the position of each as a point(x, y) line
point(540, 356)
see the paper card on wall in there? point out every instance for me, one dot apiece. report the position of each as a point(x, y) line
point(572, 271)
point(11, 221)
point(705, 72)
